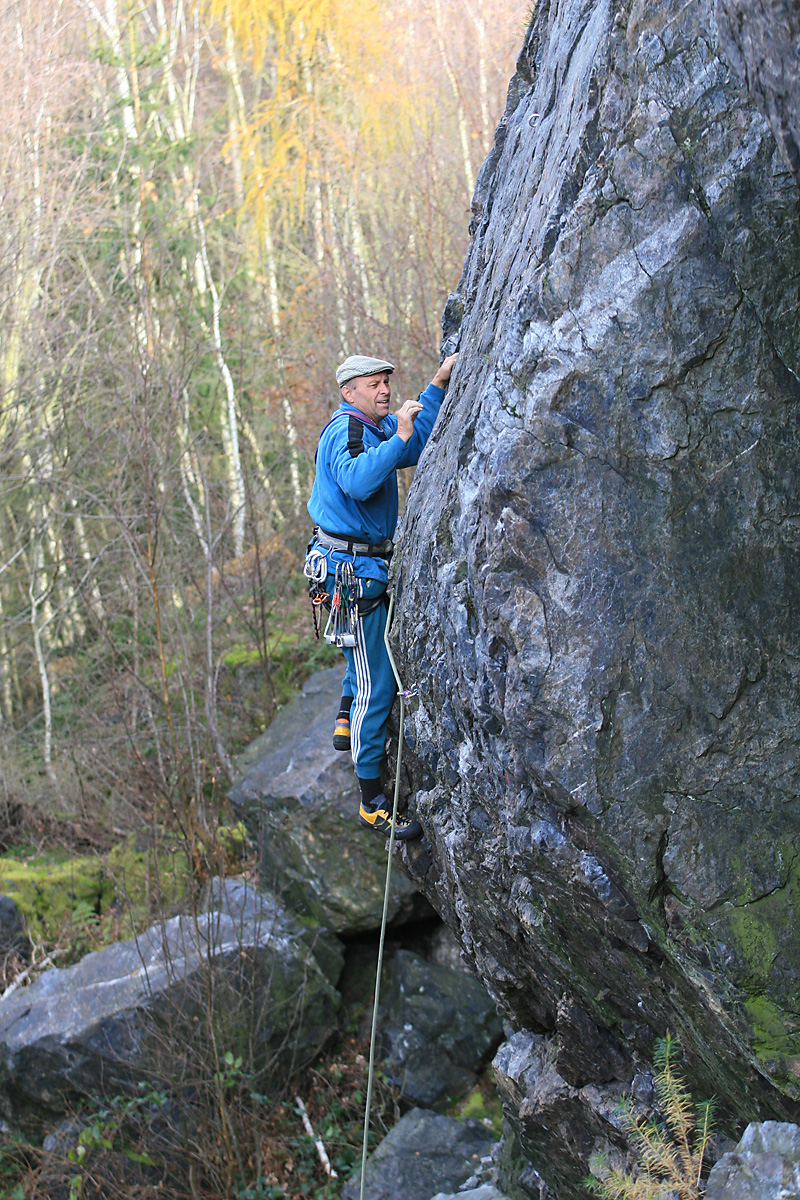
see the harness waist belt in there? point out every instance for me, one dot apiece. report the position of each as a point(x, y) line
point(333, 541)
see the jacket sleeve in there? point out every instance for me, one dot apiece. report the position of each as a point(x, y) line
point(431, 400)
point(362, 476)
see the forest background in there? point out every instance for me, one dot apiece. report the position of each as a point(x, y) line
point(204, 206)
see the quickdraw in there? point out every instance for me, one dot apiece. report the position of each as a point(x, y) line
point(344, 605)
point(343, 620)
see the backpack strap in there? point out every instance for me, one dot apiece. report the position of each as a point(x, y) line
point(355, 430)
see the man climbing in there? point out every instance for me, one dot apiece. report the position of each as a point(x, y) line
point(354, 507)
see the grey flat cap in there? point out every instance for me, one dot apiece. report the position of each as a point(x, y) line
point(360, 364)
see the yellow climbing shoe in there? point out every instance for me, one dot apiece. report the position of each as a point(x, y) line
point(380, 819)
point(341, 734)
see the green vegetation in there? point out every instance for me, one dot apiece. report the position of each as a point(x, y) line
point(481, 1104)
point(756, 938)
point(149, 879)
point(81, 903)
point(670, 1151)
point(54, 896)
point(132, 1145)
point(771, 1035)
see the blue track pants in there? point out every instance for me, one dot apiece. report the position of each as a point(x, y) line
point(370, 681)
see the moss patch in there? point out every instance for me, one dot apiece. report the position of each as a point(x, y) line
point(241, 656)
point(770, 1034)
point(764, 935)
point(481, 1104)
point(57, 896)
point(756, 943)
point(234, 840)
point(776, 1042)
point(148, 879)
point(68, 899)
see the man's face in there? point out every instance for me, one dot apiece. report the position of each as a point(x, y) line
point(370, 394)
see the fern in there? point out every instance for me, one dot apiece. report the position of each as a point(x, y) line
point(669, 1153)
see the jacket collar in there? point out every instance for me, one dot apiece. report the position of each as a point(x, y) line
point(356, 412)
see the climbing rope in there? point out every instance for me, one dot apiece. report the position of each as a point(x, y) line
point(373, 1036)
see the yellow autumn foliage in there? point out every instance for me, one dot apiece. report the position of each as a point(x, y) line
point(331, 98)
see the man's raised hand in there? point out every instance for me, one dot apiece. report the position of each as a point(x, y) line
point(442, 376)
point(406, 416)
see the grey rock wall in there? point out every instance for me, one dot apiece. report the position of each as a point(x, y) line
point(599, 573)
point(764, 1166)
point(760, 39)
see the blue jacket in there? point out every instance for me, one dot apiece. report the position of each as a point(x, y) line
point(355, 488)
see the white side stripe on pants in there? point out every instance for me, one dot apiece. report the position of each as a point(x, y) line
point(364, 685)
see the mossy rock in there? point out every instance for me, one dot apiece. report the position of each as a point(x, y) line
point(481, 1104)
point(149, 878)
point(71, 895)
point(234, 841)
point(54, 896)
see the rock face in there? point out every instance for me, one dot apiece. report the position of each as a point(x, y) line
point(555, 1121)
point(759, 39)
point(764, 1166)
point(299, 798)
point(599, 576)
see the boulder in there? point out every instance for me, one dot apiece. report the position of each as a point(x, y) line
point(424, 1153)
point(438, 1028)
point(299, 798)
point(599, 576)
point(764, 1166)
point(129, 1011)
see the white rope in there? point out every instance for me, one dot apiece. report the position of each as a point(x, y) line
point(371, 1071)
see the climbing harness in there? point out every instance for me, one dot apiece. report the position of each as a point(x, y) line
point(346, 604)
point(373, 1037)
point(333, 541)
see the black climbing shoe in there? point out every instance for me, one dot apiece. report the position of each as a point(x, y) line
point(380, 819)
point(341, 733)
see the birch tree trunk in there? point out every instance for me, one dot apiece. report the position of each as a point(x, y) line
point(35, 600)
point(479, 22)
point(463, 130)
point(275, 315)
point(230, 426)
